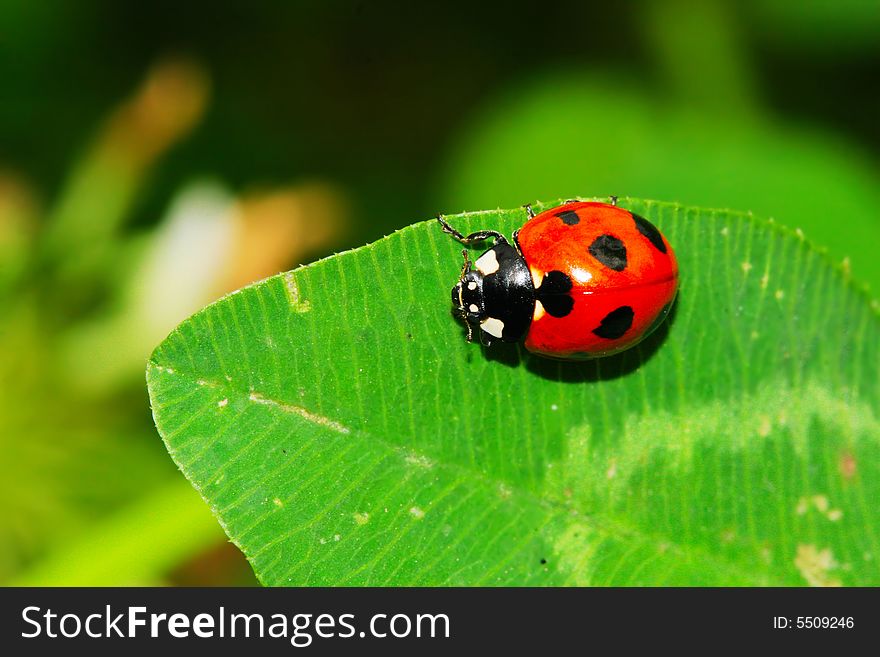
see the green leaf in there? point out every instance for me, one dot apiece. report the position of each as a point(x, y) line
point(344, 433)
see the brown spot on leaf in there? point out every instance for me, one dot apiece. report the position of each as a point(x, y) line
point(847, 465)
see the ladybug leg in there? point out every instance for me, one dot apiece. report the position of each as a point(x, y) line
point(613, 200)
point(467, 264)
point(571, 200)
point(449, 230)
point(479, 236)
point(516, 241)
point(529, 211)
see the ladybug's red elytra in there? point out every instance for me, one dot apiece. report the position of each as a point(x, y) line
point(582, 280)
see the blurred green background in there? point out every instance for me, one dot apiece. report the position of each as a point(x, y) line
point(155, 156)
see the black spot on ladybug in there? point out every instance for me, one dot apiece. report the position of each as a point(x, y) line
point(610, 251)
point(569, 217)
point(650, 231)
point(554, 294)
point(615, 323)
point(658, 320)
point(555, 282)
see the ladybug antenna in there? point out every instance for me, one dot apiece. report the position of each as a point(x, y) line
point(466, 267)
point(470, 330)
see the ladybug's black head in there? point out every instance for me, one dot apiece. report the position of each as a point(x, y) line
point(495, 295)
point(467, 297)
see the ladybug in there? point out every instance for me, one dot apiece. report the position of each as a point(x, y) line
point(582, 280)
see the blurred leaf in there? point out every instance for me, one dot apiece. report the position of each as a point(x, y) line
point(344, 433)
point(179, 270)
point(18, 225)
point(98, 195)
point(833, 28)
point(209, 244)
point(72, 458)
point(699, 47)
point(559, 136)
point(136, 546)
point(66, 460)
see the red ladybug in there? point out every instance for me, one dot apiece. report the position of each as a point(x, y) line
point(583, 280)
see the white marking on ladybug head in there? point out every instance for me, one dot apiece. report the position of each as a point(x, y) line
point(472, 285)
point(492, 326)
point(539, 311)
point(487, 263)
point(474, 308)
